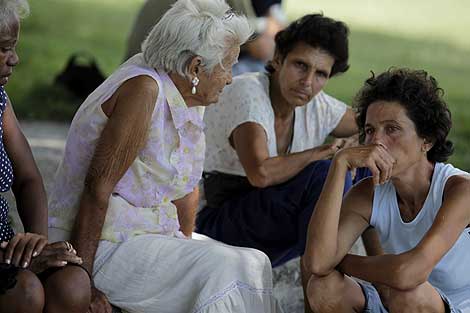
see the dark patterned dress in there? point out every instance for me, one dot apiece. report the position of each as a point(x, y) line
point(6, 176)
point(7, 272)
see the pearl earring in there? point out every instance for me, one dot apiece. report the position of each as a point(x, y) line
point(424, 148)
point(194, 82)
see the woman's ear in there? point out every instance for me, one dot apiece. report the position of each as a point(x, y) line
point(276, 62)
point(194, 67)
point(427, 145)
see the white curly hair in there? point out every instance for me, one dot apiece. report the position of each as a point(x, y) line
point(9, 9)
point(205, 28)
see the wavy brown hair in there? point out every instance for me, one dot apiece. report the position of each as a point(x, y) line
point(317, 31)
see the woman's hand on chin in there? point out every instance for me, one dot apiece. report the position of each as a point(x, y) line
point(375, 157)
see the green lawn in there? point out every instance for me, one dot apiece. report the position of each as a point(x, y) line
point(421, 34)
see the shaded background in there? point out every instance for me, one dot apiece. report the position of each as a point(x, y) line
point(430, 35)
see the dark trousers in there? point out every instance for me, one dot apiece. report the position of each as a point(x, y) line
point(273, 219)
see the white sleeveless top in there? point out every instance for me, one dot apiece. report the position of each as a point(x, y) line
point(452, 273)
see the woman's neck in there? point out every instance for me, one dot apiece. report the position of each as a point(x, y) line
point(184, 89)
point(282, 109)
point(412, 187)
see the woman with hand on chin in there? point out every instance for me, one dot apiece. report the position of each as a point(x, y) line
point(34, 275)
point(417, 204)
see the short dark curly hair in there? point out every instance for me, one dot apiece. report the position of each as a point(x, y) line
point(422, 99)
point(317, 31)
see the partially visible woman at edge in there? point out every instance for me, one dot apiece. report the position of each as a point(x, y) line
point(126, 191)
point(34, 275)
point(417, 204)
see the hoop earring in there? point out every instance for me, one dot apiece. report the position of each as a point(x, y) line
point(194, 83)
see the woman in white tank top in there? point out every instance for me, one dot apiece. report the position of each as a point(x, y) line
point(419, 207)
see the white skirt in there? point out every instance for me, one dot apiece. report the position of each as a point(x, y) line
point(156, 273)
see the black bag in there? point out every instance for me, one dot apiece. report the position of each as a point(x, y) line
point(80, 78)
point(220, 187)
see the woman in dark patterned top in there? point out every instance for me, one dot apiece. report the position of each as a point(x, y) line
point(35, 276)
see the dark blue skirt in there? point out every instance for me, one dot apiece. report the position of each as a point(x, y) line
point(273, 219)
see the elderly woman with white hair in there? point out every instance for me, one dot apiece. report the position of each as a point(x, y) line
point(35, 276)
point(126, 191)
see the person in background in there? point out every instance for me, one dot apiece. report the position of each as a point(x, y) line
point(266, 157)
point(35, 276)
point(266, 17)
point(126, 191)
point(417, 204)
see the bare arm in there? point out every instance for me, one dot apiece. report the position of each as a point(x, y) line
point(250, 142)
point(187, 207)
point(122, 138)
point(336, 224)
point(28, 186)
point(371, 241)
point(30, 196)
point(412, 268)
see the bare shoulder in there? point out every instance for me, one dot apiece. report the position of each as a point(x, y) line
point(246, 133)
point(455, 199)
point(140, 83)
point(347, 125)
point(141, 87)
point(457, 186)
point(363, 190)
point(359, 199)
point(135, 96)
point(250, 128)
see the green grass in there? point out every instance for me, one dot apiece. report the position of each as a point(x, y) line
point(424, 34)
point(54, 30)
point(431, 19)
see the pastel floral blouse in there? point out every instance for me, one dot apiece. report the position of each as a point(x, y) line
point(167, 168)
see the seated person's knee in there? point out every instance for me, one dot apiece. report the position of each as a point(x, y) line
point(413, 300)
point(69, 288)
point(26, 296)
point(243, 259)
point(321, 292)
point(334, 293)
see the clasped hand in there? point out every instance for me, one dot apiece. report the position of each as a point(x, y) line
point(32, 251)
